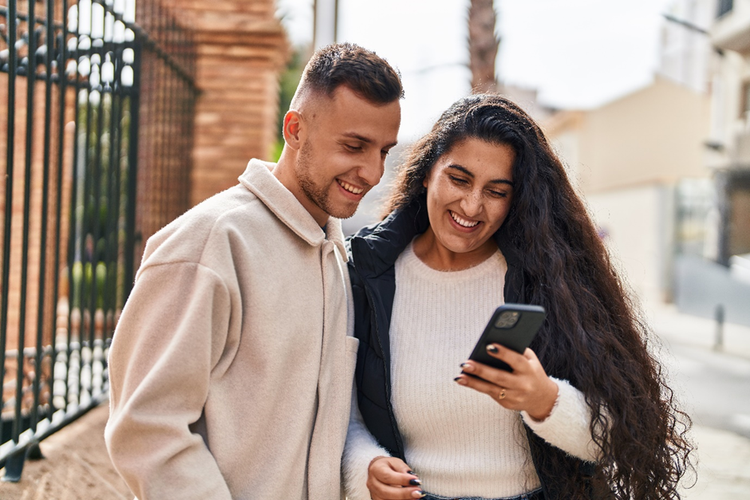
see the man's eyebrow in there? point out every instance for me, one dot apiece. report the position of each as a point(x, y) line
point(354, 135)
point(366, 140)
point(468, 172)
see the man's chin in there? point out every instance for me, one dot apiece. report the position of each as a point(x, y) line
point(343, 212)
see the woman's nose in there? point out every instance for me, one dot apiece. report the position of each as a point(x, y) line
point(472, 203)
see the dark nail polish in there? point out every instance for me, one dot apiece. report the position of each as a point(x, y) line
point(463, 364)
point(415, 482)
point(421, 493)
point(410, 472)
point(491, 348)
point(457, 379)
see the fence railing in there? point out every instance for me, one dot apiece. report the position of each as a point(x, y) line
point(72, 202)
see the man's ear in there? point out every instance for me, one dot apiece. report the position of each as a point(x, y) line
point(291, 130)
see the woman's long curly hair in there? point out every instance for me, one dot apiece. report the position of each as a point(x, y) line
point(594, 336)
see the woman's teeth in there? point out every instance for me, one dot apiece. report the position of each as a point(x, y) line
point(463, 222)
point(350, 188)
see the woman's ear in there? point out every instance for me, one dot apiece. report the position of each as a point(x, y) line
point(291, 129)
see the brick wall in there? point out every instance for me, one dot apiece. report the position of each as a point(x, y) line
point(241, 49)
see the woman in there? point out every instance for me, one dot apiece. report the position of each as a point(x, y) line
point(482, 213)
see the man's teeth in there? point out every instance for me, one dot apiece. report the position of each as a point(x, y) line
point(463, 222)
point(350, 188)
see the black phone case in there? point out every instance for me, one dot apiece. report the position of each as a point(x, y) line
point(518, 337)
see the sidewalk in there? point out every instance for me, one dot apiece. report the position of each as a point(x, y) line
point(673, 326)
point(723, 463)
point(77, 467)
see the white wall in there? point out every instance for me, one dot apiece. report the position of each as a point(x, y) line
point(685, 54)
point(638, 231)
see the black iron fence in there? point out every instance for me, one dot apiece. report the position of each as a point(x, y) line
point(73, 206)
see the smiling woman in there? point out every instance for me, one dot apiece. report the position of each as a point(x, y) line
point(482, 213)
point(469, 192)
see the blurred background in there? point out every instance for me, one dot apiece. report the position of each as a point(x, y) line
point(643, 100)
point(117, 116)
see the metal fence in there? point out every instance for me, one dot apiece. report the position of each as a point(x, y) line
point(73, 206)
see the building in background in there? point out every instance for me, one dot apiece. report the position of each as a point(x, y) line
point(241, 50)
point(666, 169)
point(628, 159)
point(685, 51)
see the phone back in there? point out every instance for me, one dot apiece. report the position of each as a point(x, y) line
point(513, 326)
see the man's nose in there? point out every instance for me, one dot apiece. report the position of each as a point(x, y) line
point(373, 169)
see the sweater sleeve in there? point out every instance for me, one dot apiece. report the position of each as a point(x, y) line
point(171, 334)
point(361, 447)
point(567, 427)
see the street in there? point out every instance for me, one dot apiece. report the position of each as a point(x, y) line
point(713, 387)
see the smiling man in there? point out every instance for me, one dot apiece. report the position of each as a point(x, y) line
point(231, 368)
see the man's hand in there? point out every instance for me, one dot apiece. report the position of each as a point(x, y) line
point(389, 478)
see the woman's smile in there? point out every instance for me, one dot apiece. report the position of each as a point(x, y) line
point(463, 222)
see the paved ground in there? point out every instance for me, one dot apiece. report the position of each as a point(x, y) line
point(713, 384)
point(77, 466)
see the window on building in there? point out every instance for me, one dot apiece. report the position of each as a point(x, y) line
point(745, 100)
point(725, 6)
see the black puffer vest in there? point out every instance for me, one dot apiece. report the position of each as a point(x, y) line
point(372, 256)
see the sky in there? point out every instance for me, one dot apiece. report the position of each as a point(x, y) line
point(577, 54)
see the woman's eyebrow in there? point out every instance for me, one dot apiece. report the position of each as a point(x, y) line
point(468, 172)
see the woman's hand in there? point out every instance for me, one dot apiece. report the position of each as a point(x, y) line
point(389, 478)
point(527, 388)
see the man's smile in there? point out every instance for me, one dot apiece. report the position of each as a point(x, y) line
point(349, 187)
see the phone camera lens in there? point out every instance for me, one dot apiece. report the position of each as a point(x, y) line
point(507, 319)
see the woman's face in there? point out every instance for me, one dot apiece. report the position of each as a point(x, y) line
point(469, 192)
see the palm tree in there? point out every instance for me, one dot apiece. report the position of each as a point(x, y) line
point(483, 45)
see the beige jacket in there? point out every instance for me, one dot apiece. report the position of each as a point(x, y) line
point(231, 368)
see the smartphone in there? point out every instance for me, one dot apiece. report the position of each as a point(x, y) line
point(511, 325)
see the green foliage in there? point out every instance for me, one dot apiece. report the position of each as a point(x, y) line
point(82, 277)
point(278, 147)
point(288, 82)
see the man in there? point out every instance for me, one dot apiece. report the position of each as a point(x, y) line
point(231, 368)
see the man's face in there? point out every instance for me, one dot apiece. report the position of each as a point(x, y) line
point(344, 141)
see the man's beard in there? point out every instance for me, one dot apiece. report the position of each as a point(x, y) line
point(319, 195)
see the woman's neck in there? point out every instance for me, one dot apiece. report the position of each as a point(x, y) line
point(432, 253)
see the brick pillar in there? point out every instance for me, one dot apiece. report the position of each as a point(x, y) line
point(241, 49)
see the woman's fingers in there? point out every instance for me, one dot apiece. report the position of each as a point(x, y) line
point(497, 392)
point(526, 388)
point(514, 359)
point(390, 478)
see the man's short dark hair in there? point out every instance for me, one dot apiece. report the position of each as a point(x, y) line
point(361, 70)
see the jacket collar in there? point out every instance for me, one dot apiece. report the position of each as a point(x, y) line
point(260, 181)
point(375, 248)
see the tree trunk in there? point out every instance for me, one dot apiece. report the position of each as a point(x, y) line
point(483, 45)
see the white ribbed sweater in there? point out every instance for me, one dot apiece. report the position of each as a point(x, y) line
point(460, 442)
